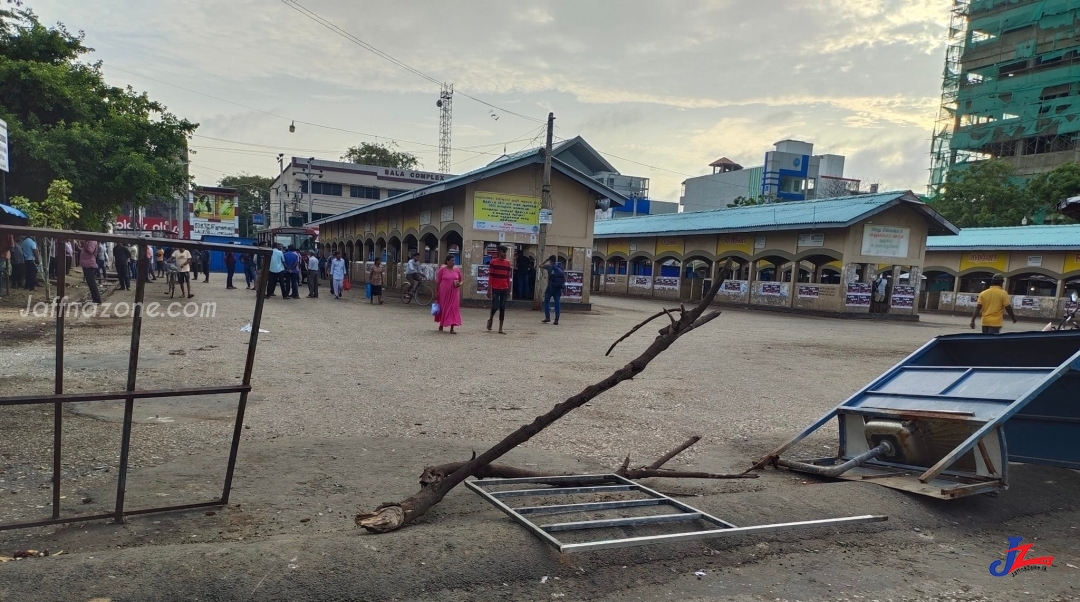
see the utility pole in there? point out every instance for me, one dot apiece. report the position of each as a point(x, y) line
point(545, 203)
point(307, 173)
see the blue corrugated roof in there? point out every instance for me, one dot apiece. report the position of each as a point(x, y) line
point(1013, 237)
point(827, 213)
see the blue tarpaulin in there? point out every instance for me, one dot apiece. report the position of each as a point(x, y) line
point(12, 216)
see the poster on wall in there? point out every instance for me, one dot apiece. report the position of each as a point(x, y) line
point(885, 241)
point(506, 212)
point(575, 286)
point(812, 240)
point(609, 279)
point(425, 219)
point(858, 294)
point(665, 283)
point(1029, 303)
point(903, 296)
point(480, 273)
point(772, 289)
point(733, 287)
point(809, 292)
point(640, 282)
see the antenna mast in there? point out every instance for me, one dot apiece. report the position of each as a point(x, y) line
point(445, 103)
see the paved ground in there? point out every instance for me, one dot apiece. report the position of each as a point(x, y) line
point(352, 400)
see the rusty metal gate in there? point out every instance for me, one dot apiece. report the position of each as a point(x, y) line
point(130, 394)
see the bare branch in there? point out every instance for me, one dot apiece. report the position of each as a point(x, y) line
point(635, 329)
point(671, 454)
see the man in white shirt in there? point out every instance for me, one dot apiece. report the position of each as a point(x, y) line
point(414, 273)
point(337, 274)
point(182, 257)
point(313, 276)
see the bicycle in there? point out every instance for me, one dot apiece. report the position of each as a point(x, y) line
point(420, 292)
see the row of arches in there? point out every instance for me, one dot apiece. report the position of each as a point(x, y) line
point(813, 267)
point(1031, 283)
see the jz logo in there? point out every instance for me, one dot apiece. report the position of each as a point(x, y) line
point(1016, 560)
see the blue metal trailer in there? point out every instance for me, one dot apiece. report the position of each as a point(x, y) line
point(947, 420)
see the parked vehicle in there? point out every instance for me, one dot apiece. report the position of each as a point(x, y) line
point(1069, 322)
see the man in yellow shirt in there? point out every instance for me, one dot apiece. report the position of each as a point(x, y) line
point(993, 303)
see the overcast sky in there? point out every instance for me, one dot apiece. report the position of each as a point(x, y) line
point(673, 85)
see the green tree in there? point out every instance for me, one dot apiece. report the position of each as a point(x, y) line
point(1049, 188)
point(254, 194)
point(742, 201)
point(57, 211)
point(985, 194)
point(383, 155)
point(113, 145)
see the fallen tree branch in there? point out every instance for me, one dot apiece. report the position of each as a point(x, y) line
point(392, 516)
point(671, 454)
point(662, 312)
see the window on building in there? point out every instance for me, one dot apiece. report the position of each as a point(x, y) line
point(323, 188)
point(1012, 67)
point(395, 191)
point(364, 192)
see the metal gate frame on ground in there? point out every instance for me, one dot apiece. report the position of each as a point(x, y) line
point(130, 394)
point(611, 483)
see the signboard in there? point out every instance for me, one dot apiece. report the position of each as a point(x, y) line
point(991, 261)
point(812, 240)
point(425, 219)
point(640, 282)
point(618, 245)
point(447, 213)
point(480, 273)
point(673, 244)
point(771, 289)
point(1034, 261)
point(885, 241)
point(1072, 262)
point(741, 243)
point(203, 227)
point(759, 242)
point(903, 296)
point(408, 175)
point(966, 300)
point(506, 212)
point(575, 286)
point(152, 224)
point(808, 292)
point(545, 216)
point(734, 287)
point(1028, 303)
point(609, 279)
point(3, 146)
point(858, 294)
point(214, 206)
point(665, 283)
point(258, 219)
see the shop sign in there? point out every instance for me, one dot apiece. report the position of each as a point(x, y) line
point(885, 241)
point(812, 240)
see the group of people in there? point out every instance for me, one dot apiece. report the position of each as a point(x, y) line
point(448, 281)
point(21, 254)
point(289, 268)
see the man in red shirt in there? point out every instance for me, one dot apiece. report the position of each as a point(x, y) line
point(499, 272)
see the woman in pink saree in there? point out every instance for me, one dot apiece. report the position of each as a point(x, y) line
point(447, 282)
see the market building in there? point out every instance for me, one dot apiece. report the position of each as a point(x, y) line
point(821, 256)
point(328, 188)
point(469, 216)
point(1041, 265)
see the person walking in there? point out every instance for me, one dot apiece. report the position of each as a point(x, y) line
point(554, 290)
point(204, 261)
point(230, 269)
point(102, 261)
point(375, 278)
point(292, 272)
point(249, 269)
point(18, 264)
point(337, 274)
point(29, 255)
point(69, 256)
point(499, 271)
point(159, 261)
point(89, 259)
point(992, 305)
point(149, 263)
point(121, 258)
point(182, 259)
point(447, 284)
point(313, 276)
point(277, 272)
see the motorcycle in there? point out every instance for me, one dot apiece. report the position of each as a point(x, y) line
point(1069, 322)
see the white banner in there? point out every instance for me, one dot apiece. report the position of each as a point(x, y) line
point(203, 227)
point(885, 241)
point(3, 145)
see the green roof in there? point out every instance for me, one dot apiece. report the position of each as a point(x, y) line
point(838, 212)
point(1012, 237)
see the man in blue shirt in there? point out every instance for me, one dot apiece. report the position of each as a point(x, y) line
point(277, 272)
point(291, 260)
point(29, 253)
point(556, 282)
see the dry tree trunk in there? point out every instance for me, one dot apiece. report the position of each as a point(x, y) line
point(392, 516)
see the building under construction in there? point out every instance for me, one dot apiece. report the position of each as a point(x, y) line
point(1010, 85)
